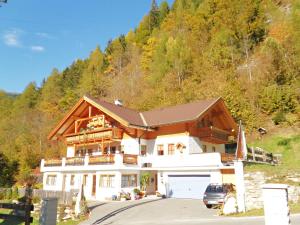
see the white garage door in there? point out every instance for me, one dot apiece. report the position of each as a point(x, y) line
point(187, 186)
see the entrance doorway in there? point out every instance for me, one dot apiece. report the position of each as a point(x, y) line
point(94, 185)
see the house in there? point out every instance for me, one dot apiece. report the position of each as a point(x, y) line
point(109, 146)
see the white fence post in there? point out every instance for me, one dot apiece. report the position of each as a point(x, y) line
point(276, 204)
point(240, 184)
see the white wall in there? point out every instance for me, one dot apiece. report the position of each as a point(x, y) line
point(70, 151)
point(193, 144)
point(131, 145)
point(168, 139)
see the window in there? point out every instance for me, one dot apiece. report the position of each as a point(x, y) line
point(51, 180)
point(160, 149)
point(213, 148)
point(85, 177)
point(113, 150)
point(171, 149)
point(129, 180)
point(204, 147)
point(72, 180)
point(143, 149)
point(107, 181)
point(122, 148)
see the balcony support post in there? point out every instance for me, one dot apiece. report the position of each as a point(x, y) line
point(63, 162)
point(86, 160)
point(42, 163)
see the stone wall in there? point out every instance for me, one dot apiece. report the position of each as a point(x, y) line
point(253, 183)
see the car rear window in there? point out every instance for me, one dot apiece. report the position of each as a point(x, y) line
point(215, 188)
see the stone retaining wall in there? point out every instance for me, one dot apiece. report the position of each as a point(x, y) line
point(253, 183)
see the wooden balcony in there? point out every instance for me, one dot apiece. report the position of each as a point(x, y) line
point(213, 135)
point(101, 159)
point(225, 157)
point(75, 161)
point(96, 135)
point(53, 162)
point(130, 159)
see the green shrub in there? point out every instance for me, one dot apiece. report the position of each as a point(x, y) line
point(279, 118)
point(36, 199)
point(2, 195)
point(136, 191)
point(8, 194)
point(284, 142)
point(15, 193)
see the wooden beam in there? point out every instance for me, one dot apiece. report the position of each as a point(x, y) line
point(90, 111)
point(76, 128)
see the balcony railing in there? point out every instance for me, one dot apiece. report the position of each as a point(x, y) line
point(101, 159)
point(213, 135)
point(75, 161)
point(53, 162)
point(226, 157)
point(85, 162)
point(130, 159)
point(107, 133)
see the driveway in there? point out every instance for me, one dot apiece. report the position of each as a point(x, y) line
point(164, 212)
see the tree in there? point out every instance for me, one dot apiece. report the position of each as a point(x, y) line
point(51, 92)
point(7, 172)
point(93, 81)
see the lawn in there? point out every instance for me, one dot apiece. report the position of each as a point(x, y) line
point(35, 220)
point(294, 208)
point(286, 144)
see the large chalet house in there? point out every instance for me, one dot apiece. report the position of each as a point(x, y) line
point(109, 146)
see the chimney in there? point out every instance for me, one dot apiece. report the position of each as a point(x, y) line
point(118, 102)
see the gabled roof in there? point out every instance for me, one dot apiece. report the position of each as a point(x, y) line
point(142, 120)
point(178, 113)
point(131, 116)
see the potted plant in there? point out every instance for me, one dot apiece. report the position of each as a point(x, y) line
point(137, 192)
point(145, 178)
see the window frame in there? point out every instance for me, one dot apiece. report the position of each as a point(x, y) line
point(51, 180)
point(171, 150)
point(160, 149)
point(204, 148)
point(213, 148)
point(107, 181)
point(143, 150)
point(127, 182)
point(72, 180)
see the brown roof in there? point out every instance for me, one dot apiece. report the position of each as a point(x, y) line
point(131, 116)
point(178, 113)
point(161, 116)
point(145, 120)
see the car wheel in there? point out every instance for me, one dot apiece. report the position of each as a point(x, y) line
point(209, 206)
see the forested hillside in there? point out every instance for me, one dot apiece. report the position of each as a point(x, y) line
point(246, 51)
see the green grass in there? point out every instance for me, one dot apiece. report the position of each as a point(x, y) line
point(294, 208)
point(286, 144)
point(35, 220)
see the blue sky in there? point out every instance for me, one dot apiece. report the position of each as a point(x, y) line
point(37, 36)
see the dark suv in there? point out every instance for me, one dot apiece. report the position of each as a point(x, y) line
point(216, 193)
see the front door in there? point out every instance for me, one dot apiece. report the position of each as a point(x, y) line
point(94, 185)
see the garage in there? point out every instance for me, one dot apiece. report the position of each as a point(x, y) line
point(187, 186)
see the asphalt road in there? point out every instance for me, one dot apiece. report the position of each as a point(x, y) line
point(166, 212)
